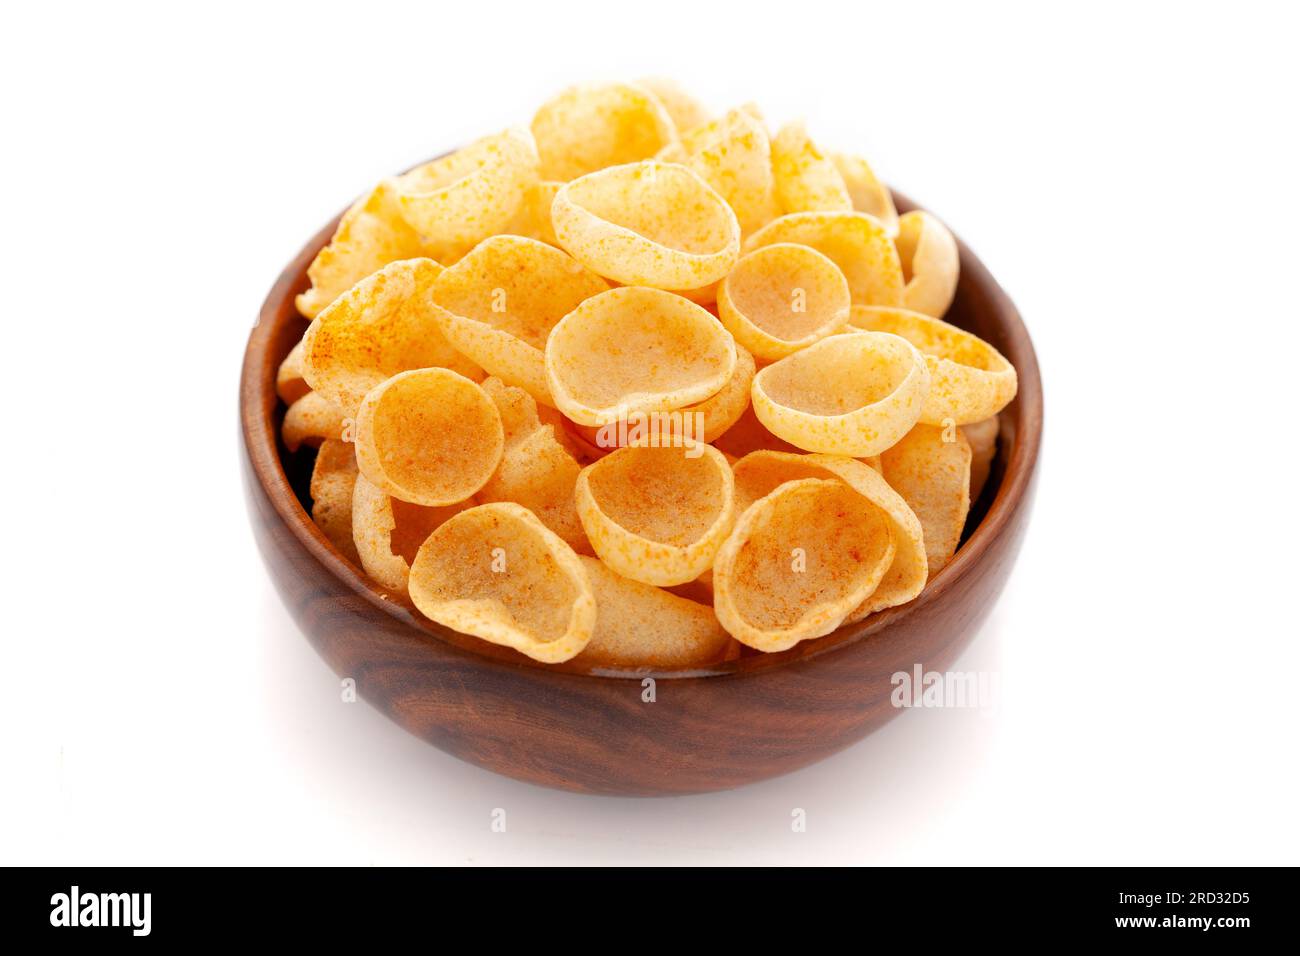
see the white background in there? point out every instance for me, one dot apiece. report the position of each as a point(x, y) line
point(1128, 172)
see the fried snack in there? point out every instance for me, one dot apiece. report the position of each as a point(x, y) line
point(969, 379)
point(799, 561)
point(650, 223)
point(854, 241)
point(983, 438)
point(761, 472)
point(732, 154)
point(933, 476)
point(850, 394)
point(749, 434)
point(429, 437)
point(657, 515)
point(333, 477)
point(638, 625)
point(289, 383)
point(636, 350)
point(928, 254)
point(781, 298)
point(311, 420)
point(475, 192)
point(685, 110)
point(595, 125)
point(387, 532)
point(499, 303)
point(385, 324)
point(371, 234)
point(494, 571)
point(533, 220)
point(806, 179)
point(868, 193)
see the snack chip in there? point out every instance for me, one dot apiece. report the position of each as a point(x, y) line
point(429, 437)
point(685, 110)
point(636, 350)
point(983, 438)
point(928, 254)
point(854, 241)
point(333, 477)
point(868, 193)
point(649, 223)
point(533, 220)
point(289, 383)
point(933, 476)
point(781, 298)
point(311, 420)
point(749, 434)
point(969, 379)
point(657, 515)
point(499, 303)
point(596, 125)
point(732, 154)
point(806, 179)
point(495, 572)
point(387, 532)
point(851, 394)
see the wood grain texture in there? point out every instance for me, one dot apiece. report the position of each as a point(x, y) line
point(562, 726)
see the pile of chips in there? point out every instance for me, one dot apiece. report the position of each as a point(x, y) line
point(642, 387)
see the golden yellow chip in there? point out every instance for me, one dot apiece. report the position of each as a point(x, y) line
point(800, 560)
point(983, 438)
point(969, 379)
point(933, 476)
point(429, 437)
point(385, 324)
point(289, 383)
point(930, 261)
point(533, 220)
point(500, 302)
point(657, 515)
point(333, 477)
point(685, 110)
point(638, 625)
point(636, 350)
point(732, 154)
point(850, 394)
point(311, 420)
point(749, 434)
point(387, 532)
point(782, 298)
point(807, 180)
point(595, 125)
point(854, 241)
point(474, 193)
point(868, 193)
point(498, 573)
point(650, 223)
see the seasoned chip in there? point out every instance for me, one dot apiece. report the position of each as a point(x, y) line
point(496, 572)
point(387, 532)
point(657, 515)
point(332, 479)
point(969, 379)
point(983, 438)
point(636, 350)
point(289, 383)
point(749, 434)
point(533, 220)
point(868, 193)
point(928, 254)
point(732, 154)
point(651, 223)
point(850, 394)
point(311, 420)
point(685, 110)
point(781, 298)
point(595, 125)
point(933, 476)
point(430, 437)
point(854, 241)
point(807, 180)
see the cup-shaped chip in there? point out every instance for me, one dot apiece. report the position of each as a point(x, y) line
point(634, 349)
point(429, 437)
point(657, 515)
point(595, 125)
point(749, 434)
point(533, 220)
point(289, 382)
point(781, 298)
point(868, 193)
point(854, 241)
point(387, 532)
point(850, 394)
point(760, 473)
point(799, 561)
point(371, 234)
point(472, 193)
point(498, 573)
point(638, 625)
point(983, 438)
point(311, 420)
point(333, 477)
point(807, 180)
point(732, 154)
point(928, 254)
point(930, 468)
point(385, 324)
point(970, 380)
point(685, 110)
point(500, 302)
point(650, 224)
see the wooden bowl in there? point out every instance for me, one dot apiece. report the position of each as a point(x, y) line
point(594, 732)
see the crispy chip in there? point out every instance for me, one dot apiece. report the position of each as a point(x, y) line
point(496, 572)
point(781, 298)
point(636, 350)
point(387, 532)
point(430, 437)
point(473, 193)
point(685, 110)
point(806, 179)
point(657, 515)
point(500, 302)
point(651, 223)
point(969, 379)
point(928, 254)
point(854, 241)
point(933, 476)
point(800, 560)
point(845, 395)
point(638, 625)
point(332, 479)
point(311, 420)
point(749, 434)
point(595, 125)
point(732, 154)
point(983, 438)
point(533, 220)
point(289, 383)
point(868, 193)
point(385, 324)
